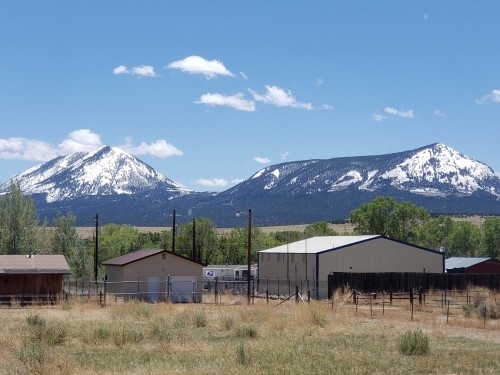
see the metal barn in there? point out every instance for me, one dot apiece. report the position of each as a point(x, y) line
point(308, 262)
point(154, 275)
point(29, 278)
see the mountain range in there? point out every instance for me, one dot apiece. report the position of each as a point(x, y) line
point(124, 190)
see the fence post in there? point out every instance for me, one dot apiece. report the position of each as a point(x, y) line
point(168, 288)
point(216, 289)
point(411, 302)
point(296, 294)
point(420, 296)
point(105, 288)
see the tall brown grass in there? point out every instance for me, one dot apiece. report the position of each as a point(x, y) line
point(229, 338)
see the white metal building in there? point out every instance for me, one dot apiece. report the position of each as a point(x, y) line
point(308, 262)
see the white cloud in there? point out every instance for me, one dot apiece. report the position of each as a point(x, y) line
point(34, 150)
point(198, 65)
point(438, 113)
point(319, 81)
point(236, 181)
point(284, 155)
point(212, 182)
point(243, 75)
point(378, 117)
point(141, 71)
point(426, 16)
point(279, 97)
point(122, 69)
point(327, 107)
point(26, 149)
point(493, 96)
point(82, 140)
point(144, 71)
point(400, 113)
point(160, 148)
point(261, 160)
point(236, 101)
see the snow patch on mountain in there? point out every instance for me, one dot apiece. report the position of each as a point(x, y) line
point(105, 171)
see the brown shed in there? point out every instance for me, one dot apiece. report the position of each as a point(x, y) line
point(32, 277)
point(154, 275)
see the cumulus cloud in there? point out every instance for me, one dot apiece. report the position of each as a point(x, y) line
point(82, 140)
point(19, 148)
point(327, 107)
point(26, 149)
point(122, 69)
point(279, 97)
point(140, 71)
point(438, 113)
point(199, 65)
point(261, 160)
point(144, 71)
point(398, 112)
point(493, 96)
point(236, 101)
point(212, 182)
point(160, 148)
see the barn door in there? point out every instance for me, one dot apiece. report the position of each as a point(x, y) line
point(153, 289)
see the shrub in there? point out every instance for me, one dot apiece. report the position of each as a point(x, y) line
point(227, 322)
point(242, 356)
point(200, 319)
point(414, 343)
point(247, 331)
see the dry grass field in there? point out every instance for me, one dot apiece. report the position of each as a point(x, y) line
point(79, 337)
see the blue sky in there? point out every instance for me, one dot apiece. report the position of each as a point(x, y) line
point(210, 92)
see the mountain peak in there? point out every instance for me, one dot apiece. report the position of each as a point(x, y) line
point(104, 171)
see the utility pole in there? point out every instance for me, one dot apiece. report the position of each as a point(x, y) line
point(173, 234)
point(249, 255)
point(96, 251)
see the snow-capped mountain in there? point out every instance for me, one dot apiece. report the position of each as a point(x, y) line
point(105, 171)
point(127, 191)
point(435, 170)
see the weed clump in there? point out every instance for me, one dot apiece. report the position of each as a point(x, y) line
point(414, 343)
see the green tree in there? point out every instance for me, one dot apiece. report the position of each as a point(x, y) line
point(434, 234)
point(491, 237)
point(205, 245)
point(18, 222)
point(405, 221)
point(464, 240)
point(319, 228)
point(373, 217)
point(116, 240)
point(64, 237)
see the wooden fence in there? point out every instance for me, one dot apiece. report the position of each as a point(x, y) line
point(405, 281)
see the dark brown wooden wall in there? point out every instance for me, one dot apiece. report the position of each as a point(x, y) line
point(30, 284)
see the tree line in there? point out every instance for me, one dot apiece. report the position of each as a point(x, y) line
point(21, 232)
